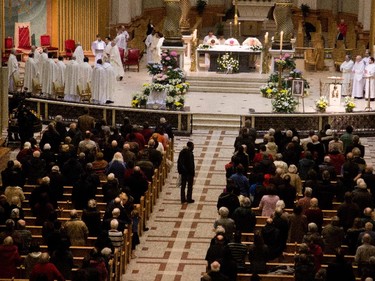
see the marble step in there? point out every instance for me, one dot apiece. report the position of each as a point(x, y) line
point(217, 122)
point(225, 86)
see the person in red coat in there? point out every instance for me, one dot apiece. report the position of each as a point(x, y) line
point(9, 258)
point(46, 269)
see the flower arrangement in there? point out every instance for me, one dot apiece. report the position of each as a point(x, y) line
point(349, 104)
point(284, 102)
point(160, 78)
point(158, 87)
point(139, 99)
point(204, 46)
point(169, 58)
point(227, 63)
point(154, 68)
point(269, 90)
point(285, 62)
point(256, 48)
point(175, 73)
point(321, 103)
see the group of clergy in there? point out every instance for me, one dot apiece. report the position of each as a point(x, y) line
point(154, 42)
point(361, 74)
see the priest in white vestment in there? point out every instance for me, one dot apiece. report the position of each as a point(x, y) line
point(358, 82)
point(155, 52)
point(211, 40)
point(13, 68)
point(120, 41)
point(49, 75)
point(78, 53)
point(98, 47)
point(60, 71)
point(36, 52)
point(370, 80)
point(71, 80)
point(99, 83)
point(111, 82)
point(31, 72)
point(42, 58)
point(107, 49)
point(84, 73)
point(148, 42)
point(346, 69)
point(115, 60)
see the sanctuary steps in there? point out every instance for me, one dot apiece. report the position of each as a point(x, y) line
point(239, 83)
point(228, 122)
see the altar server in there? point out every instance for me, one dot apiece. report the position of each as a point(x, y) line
point(71, 80)
point(370, 82)
point(49, 75)
point(84, 73)
point(102, 76)
point(97, 47)
point(60, 71)
point(78, 53)
point(108, 47)
point(148, 43)
point(42, 58)
point(115, 60)
point(31, 72)
point(157, 42)
point(346, 69)
point(36, 53)
point(358, 82)
point(13, 68)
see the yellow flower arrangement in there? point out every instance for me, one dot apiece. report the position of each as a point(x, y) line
point(321, 103)
point(349, 104)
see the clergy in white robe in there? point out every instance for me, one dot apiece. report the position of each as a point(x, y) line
point(13, 68)
point(346, 69)
point(84, 73)
point(154, 48)
point(98, 47)
point(366, 58)
point(71, 80)
point(209, 39)
point(115, 60)
point(120, 41)
point(42, 58)
point(78, 53)
point(148, 42)
point(99, 83)
point(370, 79)
point(36, 52)
point(60, 71)
point(358, 82)
point(31, 72)
point(111, 82)
point(49, 75)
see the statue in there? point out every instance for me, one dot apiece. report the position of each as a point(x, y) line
point(284, 25)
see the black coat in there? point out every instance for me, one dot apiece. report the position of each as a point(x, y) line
point(185, 163)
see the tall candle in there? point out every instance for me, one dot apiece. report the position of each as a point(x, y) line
point(230, 29)
point(266, 38)
point(281, 40)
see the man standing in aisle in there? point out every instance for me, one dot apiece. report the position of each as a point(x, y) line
point(186, 169)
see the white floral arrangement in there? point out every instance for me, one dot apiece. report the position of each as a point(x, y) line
point(158, 87)
point(204, 46)
point(160, 78)
point(227, 63)
point(321, 103)
point(139, 99)
point(284, 102)
point(349, 104)
point(269, 90)
point(256, 48)
point(174, 81)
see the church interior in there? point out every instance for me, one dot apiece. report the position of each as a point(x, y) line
point(175, 236)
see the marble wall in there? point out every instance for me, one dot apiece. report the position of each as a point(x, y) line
point(33, 11)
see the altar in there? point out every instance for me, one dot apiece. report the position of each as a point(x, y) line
point(247, 58)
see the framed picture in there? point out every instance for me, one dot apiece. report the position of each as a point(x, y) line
point(297, 87)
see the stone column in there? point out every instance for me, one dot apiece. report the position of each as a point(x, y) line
point(283, 19)
point(171, 28)
point(4, 115)
point(372, 27)
point(122, 10)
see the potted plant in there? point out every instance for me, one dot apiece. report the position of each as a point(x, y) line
point(284, 102)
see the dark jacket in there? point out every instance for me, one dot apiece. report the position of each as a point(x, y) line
point(185, 163)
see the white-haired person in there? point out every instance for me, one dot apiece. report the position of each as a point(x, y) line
point(117, 166)
point(226, 222)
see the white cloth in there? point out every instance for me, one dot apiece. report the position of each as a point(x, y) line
point(98, 83)
point(49, 76)
point(60, 72)
point(252, 41)
point(84, 74)
point(148, 42)
point(358, 82)
point(370, 83)
point(346, 69)
point(43, 58)
point(158, 48)
point(232, 42)
point(12, 68)
point(209, 40)
point(366, 60)
point(71, 81)
point(78, 54)
point(37, 55)
point(115, 60)
point(154, 49)
point(97, 48)
point(111, 81)
point(107, 50)
point(31, 72)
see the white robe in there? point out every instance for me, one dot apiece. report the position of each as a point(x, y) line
point(31, 72)
point(115, 60)
point(60, 72)
point(154, 50)
point(12, 68)
point(111, 81)
point(36, 56)
point(370, 82)
point(107, 50)
point(49, 76)
point(78, 54)
point(120, 41)
point(358, 82)
point(346, 69)
point(208, 40)
point(148, 42)
point(97, 48)
point(71, 81)
point(99, 84)
point(84, 74)
point(43, 58)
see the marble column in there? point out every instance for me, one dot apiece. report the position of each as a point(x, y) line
point(372, 27)
point(283, 19)
point(171, 28)
point(122, 10)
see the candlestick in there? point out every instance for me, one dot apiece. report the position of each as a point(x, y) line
point(239, 29)
point(230, 29)
point(281, 41)
point(266, 38)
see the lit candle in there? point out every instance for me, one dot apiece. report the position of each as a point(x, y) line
point(266, 38)
point(230, 29)
point(281, 40)
point(239, 29)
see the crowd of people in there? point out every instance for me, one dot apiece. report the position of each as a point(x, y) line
point(290, 181)
point(84, 155)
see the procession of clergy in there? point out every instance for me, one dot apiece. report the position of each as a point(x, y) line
point(361, 75)
point(76, 75)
